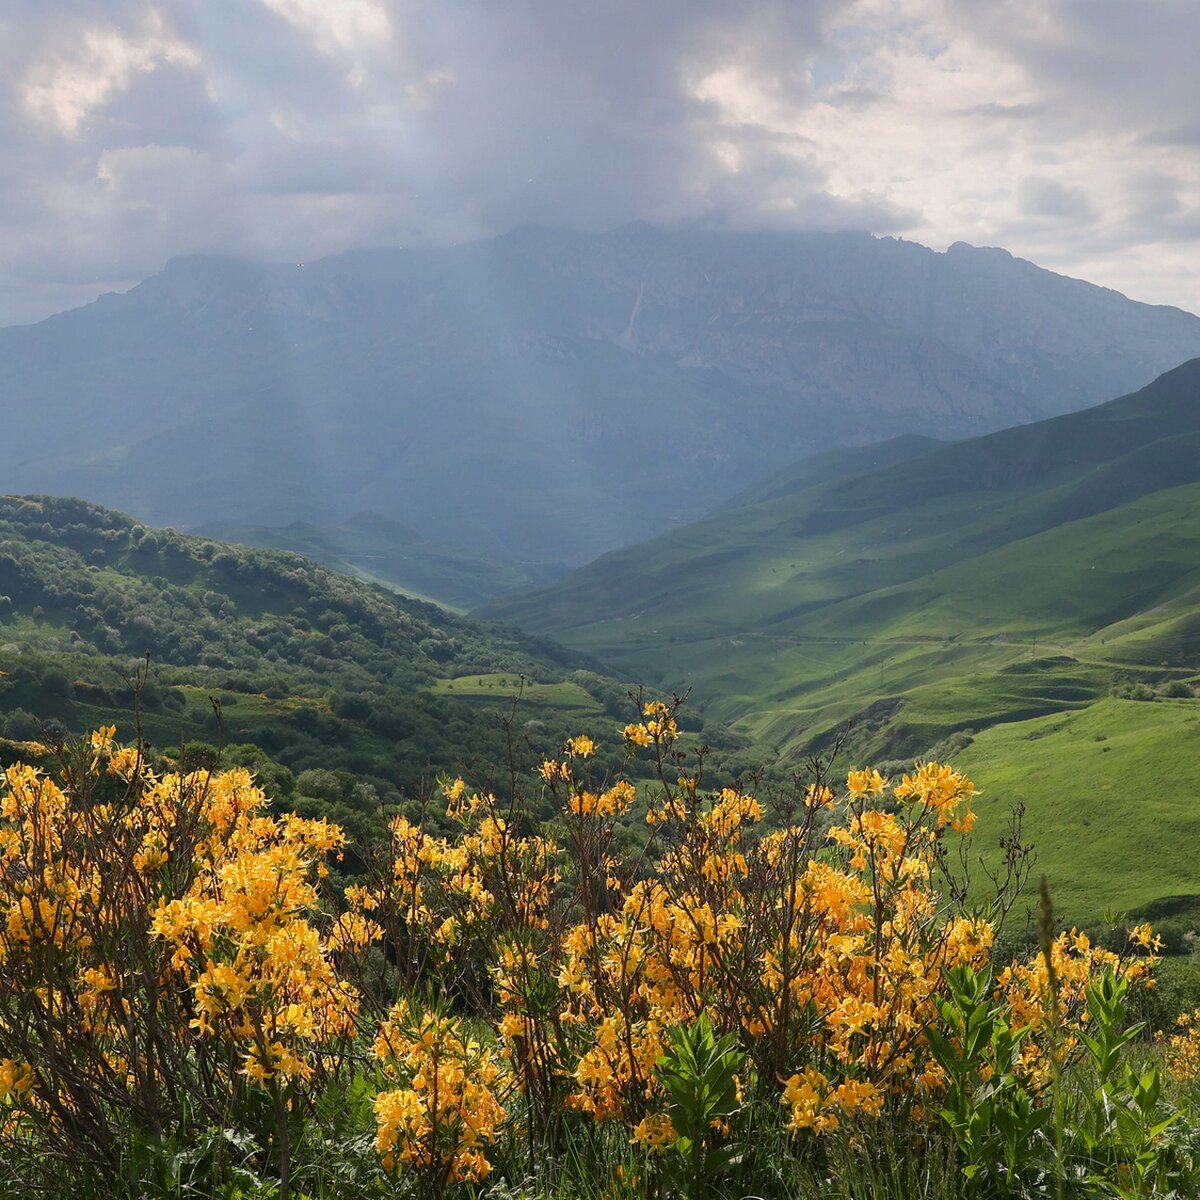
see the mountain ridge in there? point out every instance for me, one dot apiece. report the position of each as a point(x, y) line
point(548, 395)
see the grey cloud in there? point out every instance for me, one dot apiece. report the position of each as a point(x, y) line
point(1178, 135)
point(853, 98)
point(1115, 73)
point(477, 115)
point(473, 117)
point(1020, 112)
point(1125, 60)
point(165, 107)
point(1040, 197)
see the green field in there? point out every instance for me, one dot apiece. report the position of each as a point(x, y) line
point(565, 697)
point(1112, 796)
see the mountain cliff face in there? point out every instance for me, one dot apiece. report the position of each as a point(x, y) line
point(548, 395)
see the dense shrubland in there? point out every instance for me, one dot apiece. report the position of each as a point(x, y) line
point(794, 996)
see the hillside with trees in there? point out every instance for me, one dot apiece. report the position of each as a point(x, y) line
point(338, 690)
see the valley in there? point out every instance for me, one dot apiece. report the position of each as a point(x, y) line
point(954, 602)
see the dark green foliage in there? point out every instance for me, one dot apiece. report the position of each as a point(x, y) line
point(311, 670)
point(699, 1072)
point(995, 1121)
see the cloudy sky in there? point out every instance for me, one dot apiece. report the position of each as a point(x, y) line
point(1067, 131)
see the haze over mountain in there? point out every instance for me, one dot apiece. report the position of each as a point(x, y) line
point(546, 395)
point(372, 547)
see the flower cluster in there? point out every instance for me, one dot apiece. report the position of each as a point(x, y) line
point(174, 926)
point(820, 941)
point(259, 970)
point(446, 1110)
point(1183, 1048)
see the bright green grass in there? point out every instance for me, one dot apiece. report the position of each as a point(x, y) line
point(1112, 798)
point(792, 660)
point(1040, 541)
point(500, 688)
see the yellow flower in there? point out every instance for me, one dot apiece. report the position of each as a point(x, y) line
point(655, 1132)
point(102, 739)
point(581, 747)
point(864, 783)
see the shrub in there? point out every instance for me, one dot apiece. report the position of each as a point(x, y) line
point(162, 950)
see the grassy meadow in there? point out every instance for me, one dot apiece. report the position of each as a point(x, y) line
point(1097, 782)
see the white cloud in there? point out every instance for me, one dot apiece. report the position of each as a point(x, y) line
point(1041, 126)
point(93, 62)
point(1062, 129)
point(337, 25)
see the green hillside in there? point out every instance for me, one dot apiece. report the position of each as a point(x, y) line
point(833, 464)
point(960, 594)
point(1110, 791)
point(341, 691)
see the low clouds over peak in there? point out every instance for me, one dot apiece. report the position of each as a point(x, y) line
point(287, 128)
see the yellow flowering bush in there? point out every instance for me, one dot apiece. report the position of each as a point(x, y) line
point(446, 1110)
point(1183, 1049)
point(164, 935)
point(1073, 962)
point(160, 941)
point(260, 972)
point(821, 941)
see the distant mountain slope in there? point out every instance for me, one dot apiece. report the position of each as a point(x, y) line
point(831, 464)
point(546, 395)
point(1010, 602)
point(375, 548)
point(814, 604)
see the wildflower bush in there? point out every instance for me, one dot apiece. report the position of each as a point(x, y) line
point(163, 948)
point(518, 1003)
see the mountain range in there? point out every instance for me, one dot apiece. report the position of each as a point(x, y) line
point(545, 396)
